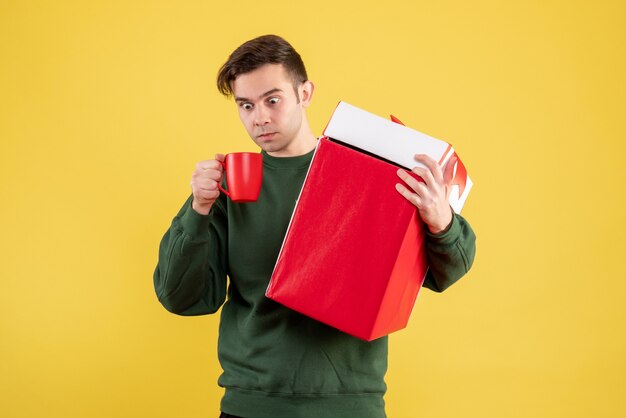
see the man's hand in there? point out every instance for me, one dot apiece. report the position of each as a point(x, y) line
point(204, 181)
point(431, 196)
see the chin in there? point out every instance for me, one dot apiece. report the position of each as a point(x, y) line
point(271, 147)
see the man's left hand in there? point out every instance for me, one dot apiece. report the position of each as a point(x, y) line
point(431, 196)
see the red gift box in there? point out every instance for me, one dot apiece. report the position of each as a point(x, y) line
point(353, 256)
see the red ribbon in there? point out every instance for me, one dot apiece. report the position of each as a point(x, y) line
point(460, 175)
point(396, 120)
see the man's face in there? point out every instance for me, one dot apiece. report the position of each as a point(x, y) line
point(270, 111)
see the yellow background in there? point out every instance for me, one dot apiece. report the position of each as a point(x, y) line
point(106, 106)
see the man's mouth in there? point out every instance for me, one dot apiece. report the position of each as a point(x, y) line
point(266, 135)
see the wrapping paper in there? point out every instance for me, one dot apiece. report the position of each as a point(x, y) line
point(353, 256)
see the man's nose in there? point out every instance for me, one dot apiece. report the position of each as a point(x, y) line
point(261, 116)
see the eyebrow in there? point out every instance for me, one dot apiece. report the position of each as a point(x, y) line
point(267, 93)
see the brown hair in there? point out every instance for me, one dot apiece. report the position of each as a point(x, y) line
point(266, 49)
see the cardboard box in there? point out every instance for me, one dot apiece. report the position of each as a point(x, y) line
point(353, 255)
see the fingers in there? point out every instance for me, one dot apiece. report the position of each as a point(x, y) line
point(408, 195)
point(205, 180)
point(431, 196)
point(433, 167)
point(420, 193)
point(417, 186)
point(210, 165)
point(207, 172)
point(448, 170)
point(424, 174)
point(204, 183)
point(204, 196)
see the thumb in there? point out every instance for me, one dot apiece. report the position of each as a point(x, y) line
point(220, 157)
point(448, 171)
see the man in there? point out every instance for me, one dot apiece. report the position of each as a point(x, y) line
point(276, 362)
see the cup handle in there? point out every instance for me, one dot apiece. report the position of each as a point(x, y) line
point(218, 185)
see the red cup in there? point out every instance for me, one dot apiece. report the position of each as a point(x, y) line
point(244, 174)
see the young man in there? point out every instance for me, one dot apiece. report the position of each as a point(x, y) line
point(277, 363)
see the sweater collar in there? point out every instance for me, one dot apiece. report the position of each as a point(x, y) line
point(298, 161)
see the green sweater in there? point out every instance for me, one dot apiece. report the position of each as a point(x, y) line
point(277, 362)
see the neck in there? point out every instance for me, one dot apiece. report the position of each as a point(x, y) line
point(304, 142)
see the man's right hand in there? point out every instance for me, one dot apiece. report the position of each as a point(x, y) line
point(204, 181)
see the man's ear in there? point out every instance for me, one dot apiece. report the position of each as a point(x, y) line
point(306, 92)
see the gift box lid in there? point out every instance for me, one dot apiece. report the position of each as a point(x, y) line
point(396, 143)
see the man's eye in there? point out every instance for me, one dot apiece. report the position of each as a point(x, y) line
point(246, 106)
point(273, 100)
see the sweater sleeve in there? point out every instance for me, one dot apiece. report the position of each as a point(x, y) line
point(450, 254)
point(190, 277)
